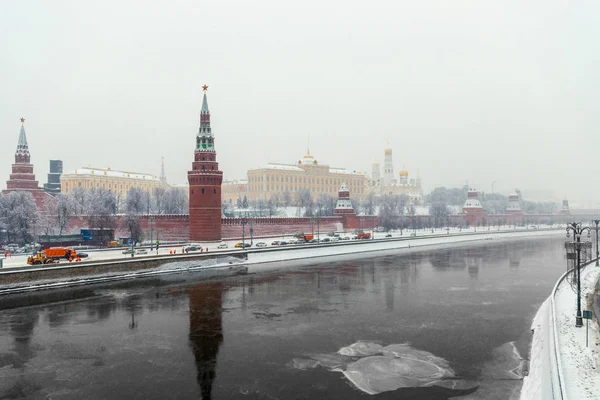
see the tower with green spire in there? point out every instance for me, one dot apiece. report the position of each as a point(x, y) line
point(205, 183)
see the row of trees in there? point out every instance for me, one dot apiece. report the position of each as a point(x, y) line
point(21, 221)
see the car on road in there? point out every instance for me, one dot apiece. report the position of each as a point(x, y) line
point(335, 239)
point(413, 234)
point(222, 246)
point(242, 245)
point(345, 237)
point(127, 251)
point(313, 241)
point(141, 251)
point(388, 235)
point(325, 240)
point(261, 244)
point(82, 255)
point(283, 243)
point(275, 243)
point(193, 248)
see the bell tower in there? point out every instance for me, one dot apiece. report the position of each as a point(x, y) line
point(205, 183)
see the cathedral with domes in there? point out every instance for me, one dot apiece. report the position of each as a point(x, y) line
point(390, 185)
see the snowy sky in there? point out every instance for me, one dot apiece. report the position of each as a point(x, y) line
point(484, 91)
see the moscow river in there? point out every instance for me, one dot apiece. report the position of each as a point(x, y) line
point(451, 322)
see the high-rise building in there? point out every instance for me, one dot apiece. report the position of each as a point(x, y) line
point(163, 176)
point(205, 183)
point(53, 184)
point(22, 177)
point(375, 175)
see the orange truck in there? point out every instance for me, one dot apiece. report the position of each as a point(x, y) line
point(52, 255)
point(364, 235)
point(308, 237)
point(60, 252)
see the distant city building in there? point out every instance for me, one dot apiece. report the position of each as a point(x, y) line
point(119, 182)
point(288, 179)
point(53, 184)
point(565, 207)
point(22, 178)
point(375, 180)
point(163, 176)
point(234, 190)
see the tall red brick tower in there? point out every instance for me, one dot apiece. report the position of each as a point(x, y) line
point(22, 178)
point(205, 183)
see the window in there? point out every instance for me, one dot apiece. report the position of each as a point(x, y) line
point(202, 190)
point(215, 191)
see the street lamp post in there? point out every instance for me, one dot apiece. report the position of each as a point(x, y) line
point(577, 230)
point(318, 226)
point(596, 222)
point(251, 233)
point(243, 233)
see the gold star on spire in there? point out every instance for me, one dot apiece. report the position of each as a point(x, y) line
point(22, 120)
point(205, 88)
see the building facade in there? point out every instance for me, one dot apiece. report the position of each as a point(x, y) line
point(205, 181)
point(119, 182)
point(288, 179)
point(22, 178)
point(390, 186)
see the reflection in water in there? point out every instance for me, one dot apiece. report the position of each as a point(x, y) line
point(206, 332)
point(21, 329)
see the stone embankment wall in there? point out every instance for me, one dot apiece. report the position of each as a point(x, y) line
point(33, 275)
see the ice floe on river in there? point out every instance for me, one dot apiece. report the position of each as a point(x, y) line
point(374, 368)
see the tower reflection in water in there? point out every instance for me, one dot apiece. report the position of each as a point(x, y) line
point(206, 332)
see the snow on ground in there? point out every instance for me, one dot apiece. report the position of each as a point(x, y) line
point(580, 364)
point(574, 367)
point(538, 365)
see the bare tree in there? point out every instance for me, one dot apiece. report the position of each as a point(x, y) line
point(101, 208)
point(18, 215)
point(439, 212)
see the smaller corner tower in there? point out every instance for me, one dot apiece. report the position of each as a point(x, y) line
point(205, 181)
point(344, 205)
point(514, 205)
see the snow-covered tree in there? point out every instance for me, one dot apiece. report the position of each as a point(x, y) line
point(101, 209)
point(176, 201)
point(18, 215)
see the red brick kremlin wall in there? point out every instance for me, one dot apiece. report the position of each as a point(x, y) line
point(176, 227)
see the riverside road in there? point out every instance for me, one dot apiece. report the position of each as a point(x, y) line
point(433, 324)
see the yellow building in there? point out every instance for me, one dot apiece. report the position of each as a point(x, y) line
point(119, 182)
point(279, 179)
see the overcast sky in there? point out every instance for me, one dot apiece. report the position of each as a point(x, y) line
point(476, 91)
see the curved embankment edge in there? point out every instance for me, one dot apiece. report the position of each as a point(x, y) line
point(24, 279)
point(546, 379)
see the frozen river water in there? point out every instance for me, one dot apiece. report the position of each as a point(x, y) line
point(436, 324)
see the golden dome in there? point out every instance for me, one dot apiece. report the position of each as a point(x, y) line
point(388, 152)
point(404, 173)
